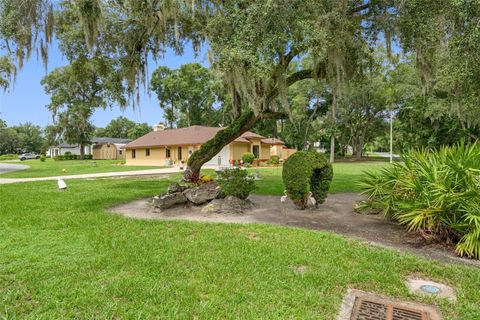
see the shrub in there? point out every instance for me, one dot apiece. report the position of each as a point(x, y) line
point(236, 182)
point(8, 157)
point(248, 157)
point(306, 171)
point(43, 158)
point(58, 158)
point(274, 159)
point(88, 157)
point(433, 192)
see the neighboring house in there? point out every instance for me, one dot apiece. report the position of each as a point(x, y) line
point(278, 148)
point(174, 146)
point(101, 148)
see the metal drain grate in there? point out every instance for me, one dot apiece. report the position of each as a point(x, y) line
point(382, 310)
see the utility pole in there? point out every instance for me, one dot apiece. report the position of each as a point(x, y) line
point(391, 135)
point(332, 140)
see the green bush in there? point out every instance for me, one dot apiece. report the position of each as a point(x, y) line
point(43, 158)
point(248, 157)
point(236, 182)
point(306, 171)
point(274, 159)
point(434, 192)
point(58, 158)
point(88, 157)
point(8, 156)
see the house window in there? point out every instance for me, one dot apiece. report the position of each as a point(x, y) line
point(256, 151)
point(133, 154)
point(147, 152)
point(120, 152)
point(167, 153)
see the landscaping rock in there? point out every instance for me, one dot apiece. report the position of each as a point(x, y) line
point(169, 200)
point(175, 187)
point(203, 193)
point(230, 204)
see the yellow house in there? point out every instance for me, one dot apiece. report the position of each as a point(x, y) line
point(279, 149)
point(174, 146)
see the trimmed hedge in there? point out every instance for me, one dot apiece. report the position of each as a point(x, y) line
point(248, 157)
point(306, 171)
point(274, 159)
point(69, 156)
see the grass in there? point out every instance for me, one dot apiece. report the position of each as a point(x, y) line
point(63, 256)
point(55, 168)
point(345, 177)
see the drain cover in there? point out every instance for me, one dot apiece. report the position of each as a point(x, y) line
point(430, 289)
point(375, 310)
point(360, 305)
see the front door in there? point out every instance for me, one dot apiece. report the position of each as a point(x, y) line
point(256, 151)
point(179, 153)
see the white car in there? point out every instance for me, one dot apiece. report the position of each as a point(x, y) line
point(25, 156)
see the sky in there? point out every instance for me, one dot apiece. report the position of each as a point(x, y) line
point(26, 101)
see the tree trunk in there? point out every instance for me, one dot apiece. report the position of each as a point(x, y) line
point(212, 147)
point(82, 151)
point(359, 148)
point(332, 140)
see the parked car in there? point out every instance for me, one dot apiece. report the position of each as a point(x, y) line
point(25, 156)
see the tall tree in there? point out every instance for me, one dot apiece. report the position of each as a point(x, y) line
point(30, 137)
point(9, 139)
point(7, 72)
point(140, 129)
point(117, 128)
point(186, 95)
point(307, 102)
point(252, 43)
point(76, 91)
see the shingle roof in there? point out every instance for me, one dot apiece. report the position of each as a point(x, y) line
point(66, 145)
point(97, 140)
point(183, 136)
point(273, 141)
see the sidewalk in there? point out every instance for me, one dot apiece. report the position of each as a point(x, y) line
point(95, 175)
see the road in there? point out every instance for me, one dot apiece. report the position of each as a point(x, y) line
point(94, 175)
point(9, 167)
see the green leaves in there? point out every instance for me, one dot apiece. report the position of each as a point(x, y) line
point(236, 182)
point(306, 171)
point(433, 191)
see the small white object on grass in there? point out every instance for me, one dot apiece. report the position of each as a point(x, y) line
point(61, 184)
point(284, 198)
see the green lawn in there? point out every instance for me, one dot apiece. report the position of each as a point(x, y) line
point(345, 177)
point(55, 168)
point(62, 256)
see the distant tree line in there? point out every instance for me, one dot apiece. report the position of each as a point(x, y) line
point(27, 137)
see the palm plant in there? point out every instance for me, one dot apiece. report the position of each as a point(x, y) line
point(435, 192)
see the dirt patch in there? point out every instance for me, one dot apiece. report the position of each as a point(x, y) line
point(335, 215)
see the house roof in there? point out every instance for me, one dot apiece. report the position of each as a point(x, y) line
point(66, 145)
point(273, 141)
point(97, 140)
point(184, 136)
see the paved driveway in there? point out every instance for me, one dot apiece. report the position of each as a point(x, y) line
point(9, 167)
point(95, 175)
